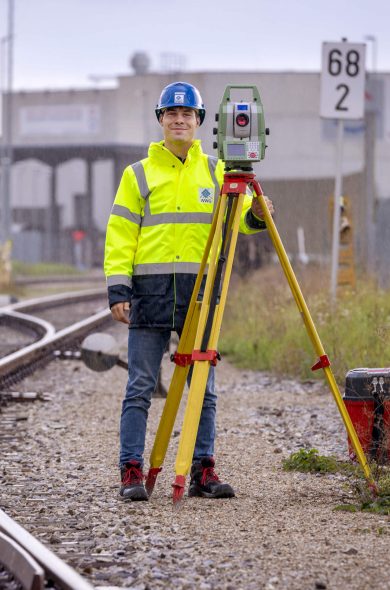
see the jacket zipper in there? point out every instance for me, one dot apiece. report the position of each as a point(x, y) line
point(174, 262)
point(174, 296)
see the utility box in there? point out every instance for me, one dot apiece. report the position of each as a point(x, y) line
point(367, 399)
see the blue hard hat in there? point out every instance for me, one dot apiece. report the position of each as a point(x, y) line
point(181, 94)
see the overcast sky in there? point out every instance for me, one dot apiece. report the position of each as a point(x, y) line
point(61, 43)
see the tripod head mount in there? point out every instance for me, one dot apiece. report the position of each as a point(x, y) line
point(241, 130)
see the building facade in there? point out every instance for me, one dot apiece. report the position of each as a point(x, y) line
point(72, 145)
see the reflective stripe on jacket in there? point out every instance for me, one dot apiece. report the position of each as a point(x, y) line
point(160, 222)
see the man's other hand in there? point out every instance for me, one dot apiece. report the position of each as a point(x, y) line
point(258, 210)
point(120, 312)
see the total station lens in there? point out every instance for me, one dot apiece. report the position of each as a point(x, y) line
point(242, 120)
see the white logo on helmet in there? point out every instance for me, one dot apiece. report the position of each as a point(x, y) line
point(179, 97)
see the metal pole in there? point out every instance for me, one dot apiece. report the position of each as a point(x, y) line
point(3, 57)
point(374, 55)
point(369, 159)
point(374, 50)
point(51, 252)
point(7, 152)
point(338, 188)
point(369, 156)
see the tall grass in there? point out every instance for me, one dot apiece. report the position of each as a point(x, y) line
point(263, 330)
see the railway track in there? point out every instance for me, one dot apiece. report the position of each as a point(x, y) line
point(19, 363)
point(26, 564)
point(19, 330)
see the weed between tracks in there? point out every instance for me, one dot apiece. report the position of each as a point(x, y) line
point(309, 461)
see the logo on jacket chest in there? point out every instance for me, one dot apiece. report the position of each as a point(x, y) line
point(206, 195)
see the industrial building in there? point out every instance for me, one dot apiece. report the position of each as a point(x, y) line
point(71, 146)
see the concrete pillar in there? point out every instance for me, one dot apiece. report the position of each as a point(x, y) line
point(52, 221)
point(90, 242)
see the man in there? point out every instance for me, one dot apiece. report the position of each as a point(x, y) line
point(156, 236)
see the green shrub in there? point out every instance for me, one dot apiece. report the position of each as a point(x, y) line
point(309, 461)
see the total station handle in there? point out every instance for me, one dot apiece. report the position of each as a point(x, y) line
point(255, 92)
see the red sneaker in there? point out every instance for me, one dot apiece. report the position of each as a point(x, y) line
point(205, 482)
point(132, 487)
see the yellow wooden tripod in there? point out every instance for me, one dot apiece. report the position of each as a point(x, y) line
point(199, 339)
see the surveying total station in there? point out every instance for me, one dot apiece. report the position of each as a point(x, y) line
point(241, 137)
point(241, 131)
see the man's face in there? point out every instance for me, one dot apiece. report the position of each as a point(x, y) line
point(179, 124)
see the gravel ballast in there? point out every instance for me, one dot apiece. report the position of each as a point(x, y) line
point(59, 479)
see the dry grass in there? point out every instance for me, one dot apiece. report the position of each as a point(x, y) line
point(263, 329)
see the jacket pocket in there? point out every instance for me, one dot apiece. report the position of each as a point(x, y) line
point(151, 285)
point(152, 301)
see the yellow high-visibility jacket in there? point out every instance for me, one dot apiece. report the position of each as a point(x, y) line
point(157, 232)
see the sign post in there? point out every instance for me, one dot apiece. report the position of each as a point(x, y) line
point(342, 97)
point(6, 149)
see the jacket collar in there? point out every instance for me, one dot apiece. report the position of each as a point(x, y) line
point(157, 151)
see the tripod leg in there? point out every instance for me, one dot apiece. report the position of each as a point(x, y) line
point(190, 426)
point(314, 337)
point(172, 403)
point(201, 367)
point(185, 347)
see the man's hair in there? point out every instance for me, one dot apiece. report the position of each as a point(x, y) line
point(180, 107)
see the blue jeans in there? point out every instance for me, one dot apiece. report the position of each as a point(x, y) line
point(145, 352)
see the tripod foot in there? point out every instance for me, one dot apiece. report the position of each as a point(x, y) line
point(151, 479)
point(178, 489)
point(373, 489)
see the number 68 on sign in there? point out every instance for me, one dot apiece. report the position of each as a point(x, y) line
point(343, 80)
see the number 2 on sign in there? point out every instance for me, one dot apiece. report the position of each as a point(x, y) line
point(339, 105)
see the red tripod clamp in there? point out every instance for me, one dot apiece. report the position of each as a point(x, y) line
point(181, 359)
point(322, 363)
point(212, 356)
point(236, 183)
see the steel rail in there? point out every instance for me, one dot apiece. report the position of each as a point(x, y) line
point(54, 300)
point(41, 327)
point(44, 348)
point(23, 555)
point(55, 569)
point(19, 564)
point(18, 364)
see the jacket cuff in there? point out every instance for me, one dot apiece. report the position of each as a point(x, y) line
point(118, 293)
point(253, 222)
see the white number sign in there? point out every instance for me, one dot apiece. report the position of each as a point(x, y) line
point(343, 80)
